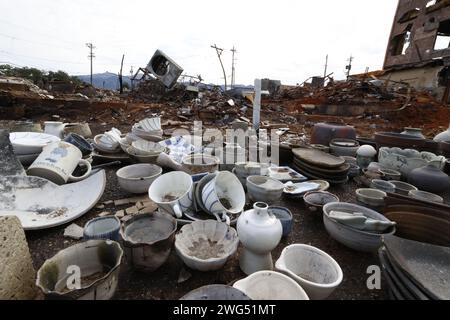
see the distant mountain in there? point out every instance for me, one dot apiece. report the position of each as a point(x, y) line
point(105, 80)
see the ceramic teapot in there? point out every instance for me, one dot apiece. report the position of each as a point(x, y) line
point(430, 178)
point(259, 232)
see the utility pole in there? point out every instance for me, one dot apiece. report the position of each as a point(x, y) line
point(349, 66)
point(233, 70)
point(91, 55)
point(131, 77)
point(120, 75)
point(326, 67)
point(219, 52)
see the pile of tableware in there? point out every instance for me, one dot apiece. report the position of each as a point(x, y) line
point(316, 164)
point(148, 129)
point(415, 270)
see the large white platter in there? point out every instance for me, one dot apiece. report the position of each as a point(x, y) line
point(41, 204)
point(30, 142)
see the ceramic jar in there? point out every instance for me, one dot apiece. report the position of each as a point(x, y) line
point(259, 232)
point(365, 155)
point(430, 178)
point(416, 132)
point(443, 136)
point(323, 133)
point(344, 147)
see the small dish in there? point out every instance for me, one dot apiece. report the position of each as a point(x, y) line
point(315, 200)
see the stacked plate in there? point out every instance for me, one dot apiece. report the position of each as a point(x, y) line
point(28, 145)
point(415, 270)
point(316, 164)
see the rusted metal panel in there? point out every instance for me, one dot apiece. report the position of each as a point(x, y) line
point(414, 32)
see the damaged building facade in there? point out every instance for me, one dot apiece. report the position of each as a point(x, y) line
point(418, 50)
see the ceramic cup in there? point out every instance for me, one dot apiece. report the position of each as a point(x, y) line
point(224, 195)
point(173, 193)
point(57, 162)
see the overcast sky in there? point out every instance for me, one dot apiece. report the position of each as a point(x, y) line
point(278, 39)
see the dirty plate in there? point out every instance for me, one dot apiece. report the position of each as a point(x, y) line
point(299, 189)
point(285, 174)
point(41, 204)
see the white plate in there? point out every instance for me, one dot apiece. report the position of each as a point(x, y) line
point(302, 188)
point(41, 204)
point(285, 174)
point(25, 143)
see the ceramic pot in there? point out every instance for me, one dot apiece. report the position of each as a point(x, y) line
point(206, 245)
point(173, 193)
point(148, 240)
point(285, 217)
point(259, 232)
point(430, 178)
point(261, 188)
point(344, 147)
point(81, 143)
point(97, 260)
point(57, 162)
point(315, 200)
point(138, 178)
point(415, 132)
point(269, 285)
point(54, 128)
point(81, 129)
point(313, 269)
point(365, 155)
point(200, 163)
point(224, 194)
point(106, 228)
point(443, 136)
point(215, 292)
point(323, 133)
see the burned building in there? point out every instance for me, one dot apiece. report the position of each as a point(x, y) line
point(418, 51)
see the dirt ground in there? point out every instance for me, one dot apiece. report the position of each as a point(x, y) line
point(163, 284)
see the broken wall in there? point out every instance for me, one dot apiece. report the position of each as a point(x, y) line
point(420, 33)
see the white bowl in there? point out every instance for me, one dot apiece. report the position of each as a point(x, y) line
point(27, 143)
point(138, 178)
point(264, 189)
point(147, 148)
point(206, 245)
point(353, 238)
point(313, 269)
point(100, 144)
point(270, 285)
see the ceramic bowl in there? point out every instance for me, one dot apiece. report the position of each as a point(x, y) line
point(154, 136)
point(425, 196)
point(371, 197)
point(206, 245)
point(270, 285)
point(285, 217)
point(406, 160)
point(403, 187)
point(264, 189)
point(350, 237)
point(315, 200)
point(200, 163)
point(152, 159)
point(25, 143)
point(215, 292)
point(97, 260)
point(246, 169)
point(390, 174)
point(148, 240)
point(105, 147)
point(106, 228)
point(138, 178)
point(313, 269)
point(382, 185)
point(81, 143)
point(151, 124)
point(147, 148)
point(344, 147)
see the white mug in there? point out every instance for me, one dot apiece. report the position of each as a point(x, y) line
point(173, 193)
point(57, 162)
